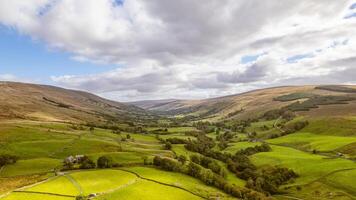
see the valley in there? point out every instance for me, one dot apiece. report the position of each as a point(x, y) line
point(295, 142)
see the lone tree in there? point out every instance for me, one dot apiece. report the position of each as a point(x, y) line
point(104, 162)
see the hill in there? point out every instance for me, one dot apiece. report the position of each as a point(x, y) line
point(49, 103)
point(255, 103)
point(152, 104)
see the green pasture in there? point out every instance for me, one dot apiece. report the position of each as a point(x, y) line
point(61, 185)
point(143, 189)
point(97, 181)
point(309, 141)
point(177, 179)
point(30, 166)
point(310, 167)
point(32, 196)
point(237, 146)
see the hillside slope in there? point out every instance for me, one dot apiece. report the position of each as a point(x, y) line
point(49, 103)
point(257, 102)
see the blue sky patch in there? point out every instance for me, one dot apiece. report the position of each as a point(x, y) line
point(296, 58)
point(118, 2)
point(250, 58)
point(353, 6)
point(25, 58)
point(350, 16)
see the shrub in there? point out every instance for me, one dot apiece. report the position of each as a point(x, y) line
point(6, 159)
point(86, 163)
point(104, 162)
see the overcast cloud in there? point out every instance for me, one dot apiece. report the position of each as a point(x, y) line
point(193, 48)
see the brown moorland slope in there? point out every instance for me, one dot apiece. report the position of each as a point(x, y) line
point(257, 102)
point(49, 103)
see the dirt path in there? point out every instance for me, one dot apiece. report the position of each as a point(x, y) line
point(75, 183)
point(120, 187)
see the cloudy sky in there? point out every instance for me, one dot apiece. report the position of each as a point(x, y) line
point(154, 49)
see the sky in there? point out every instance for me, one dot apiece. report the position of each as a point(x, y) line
point(129, 50)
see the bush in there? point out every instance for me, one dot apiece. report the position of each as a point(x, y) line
point(86, 163)
point(6, 159)
point(104, 162)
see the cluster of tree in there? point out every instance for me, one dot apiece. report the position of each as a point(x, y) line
point(105, 162)
point(208, 177)
point(240, 126)
point(86, 163)
point(225, 136)
point(167, 164)
point(192, 133)
point(241, 165)
point(6, 159)
point(209, 164)
point(266, 181)
point(290, 128)
point(224, 139)
point(206, 127)
point(202, 144)
point(294, 127)
point(256, 149)
point(276, 113)
point(176, 141)
point(159, 131)
point(269, 179)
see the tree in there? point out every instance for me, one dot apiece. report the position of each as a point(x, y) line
point(182, 159)
point(7, 159)
point(168, 146)
point(91, 129)
point(104, 162)
point(87, 163)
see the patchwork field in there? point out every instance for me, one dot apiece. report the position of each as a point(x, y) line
point(188, 157)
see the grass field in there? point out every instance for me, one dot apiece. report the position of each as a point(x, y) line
point(336, 126)
point(309, 141)
point(310, 167)
point(236, 146)
point(344, 180)
point(148, 190)
point(30, 196)
point(60, 185)
point(30, 166)
point(104, 180)
point(179, 180)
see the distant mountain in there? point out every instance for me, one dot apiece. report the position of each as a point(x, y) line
point(42, 102)
point(329, 99)
point(152, 104)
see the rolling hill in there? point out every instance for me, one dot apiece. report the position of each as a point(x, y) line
point(256, 103)
point(49, 103)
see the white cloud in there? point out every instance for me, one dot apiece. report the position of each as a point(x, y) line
point(192, 48)
point(7, 77)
